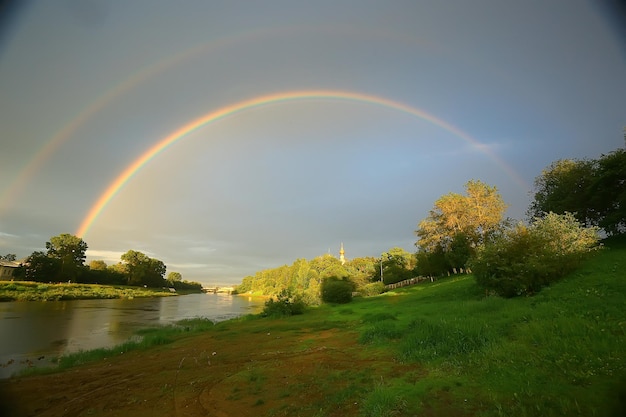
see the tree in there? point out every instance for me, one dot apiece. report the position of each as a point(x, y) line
point(462, 222)
point(362, 270)
point(137, 265)
point(97, 265)
point(8, 257)
point(336, 290)
point(328, 266)
point(564, 186)
point(41, 267)
point(174, 277)
point(608, 192)
point(526, 258)
point(594, 191)
point(397, 265)
point(70, 251)
point(143, 270)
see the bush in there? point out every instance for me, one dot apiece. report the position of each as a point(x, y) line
point(285, 304)
point(525, 259)
point(374, 288)
point(335, 290)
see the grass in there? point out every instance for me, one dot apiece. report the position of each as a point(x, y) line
point(37, 291)
point(143, 340)
point(443, 348)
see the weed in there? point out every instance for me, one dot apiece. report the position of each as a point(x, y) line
point(382, 401)
point(380, 332)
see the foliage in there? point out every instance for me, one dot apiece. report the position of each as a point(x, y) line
point(8, 257)
point(185, 285)
point(41, 267)
point(527, 258)
point(174, 277)
point(564, 186)
point(397, 265)
point(97, 265)
point(305, 277)
point(285, 304)
point(608, 192)
point(336, 290)
point(70, 251)
point(372, 289)
point(458, 224)
point(143, 270)
point(593, 190)
point(431, 263)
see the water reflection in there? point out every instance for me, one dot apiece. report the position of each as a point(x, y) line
point(34, 333)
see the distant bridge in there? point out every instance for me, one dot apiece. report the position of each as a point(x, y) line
point(215, 290)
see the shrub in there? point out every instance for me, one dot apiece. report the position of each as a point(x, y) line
point(374, 288)
point(335, 290)
point(285, 304)
point(527, 258)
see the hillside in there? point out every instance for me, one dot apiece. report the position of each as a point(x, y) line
point(434, 349)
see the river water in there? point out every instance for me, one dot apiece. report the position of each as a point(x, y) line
point(33, 333)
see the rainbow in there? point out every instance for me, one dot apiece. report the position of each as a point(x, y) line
point(213, 116)
point(15, 187)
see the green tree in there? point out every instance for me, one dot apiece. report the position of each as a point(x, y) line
point(328, 266)
point(174, 277)
point(362, 270)
point(336, 290)
point(70, 251)
point(397, 265)
point(431, 263)
point(608, 192)
point(136, 265)
point(565, 186)
point(143, 270)
point(97, 265)
point(42, 268)
point(8, 257)
point(462, 222)
point(526, 258)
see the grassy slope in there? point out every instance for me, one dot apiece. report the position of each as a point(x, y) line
point(428, 350)
point(561, 352)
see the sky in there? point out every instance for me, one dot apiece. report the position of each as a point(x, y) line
point(227, 137)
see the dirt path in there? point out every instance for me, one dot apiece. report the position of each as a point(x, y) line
point(215, 374)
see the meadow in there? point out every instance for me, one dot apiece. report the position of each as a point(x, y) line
point(432, 349)
point(37, 291)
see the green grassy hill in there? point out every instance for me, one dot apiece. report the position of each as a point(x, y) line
point(561, 352)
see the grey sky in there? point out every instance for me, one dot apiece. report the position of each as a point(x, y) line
point(531, 81)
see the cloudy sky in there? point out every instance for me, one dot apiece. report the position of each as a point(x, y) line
point(287, 127)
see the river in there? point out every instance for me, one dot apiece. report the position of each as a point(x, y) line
point(33, 333)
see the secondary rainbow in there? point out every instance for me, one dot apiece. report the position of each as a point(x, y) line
point(259, 101)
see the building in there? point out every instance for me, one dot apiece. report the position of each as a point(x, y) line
point(342, 254)
point(7, 268)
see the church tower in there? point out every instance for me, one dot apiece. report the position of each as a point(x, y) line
point(342, 258)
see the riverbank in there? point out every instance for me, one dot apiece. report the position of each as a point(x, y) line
point(432, 349)
point(38, 291)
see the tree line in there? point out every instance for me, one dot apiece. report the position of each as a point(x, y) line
point(574, 201)
point(64, 261)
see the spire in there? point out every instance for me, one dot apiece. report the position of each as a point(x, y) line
point(342, 258)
